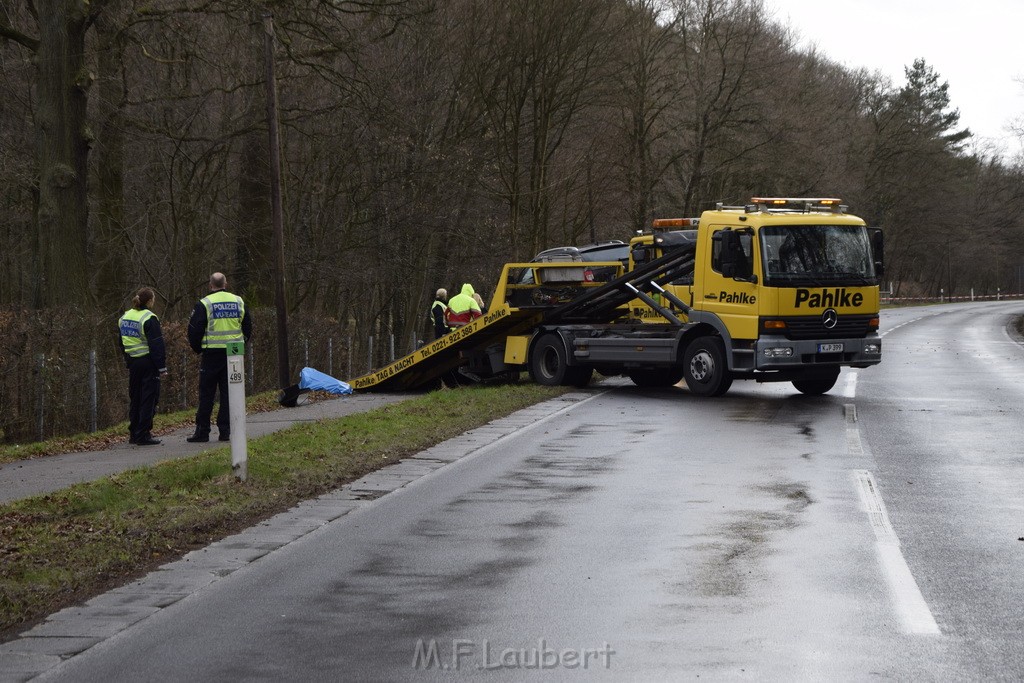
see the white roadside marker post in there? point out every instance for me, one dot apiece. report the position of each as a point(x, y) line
point(236, 399)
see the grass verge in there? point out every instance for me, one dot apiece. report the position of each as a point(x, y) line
point(59, 549)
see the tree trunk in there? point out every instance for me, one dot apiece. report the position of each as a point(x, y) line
point(255, 253)
point(109, 252)
point(254, 240)
point(63, 151)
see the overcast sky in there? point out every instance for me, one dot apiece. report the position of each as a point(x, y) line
point(977, 46)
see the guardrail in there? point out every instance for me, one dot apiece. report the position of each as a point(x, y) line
point(942, 299)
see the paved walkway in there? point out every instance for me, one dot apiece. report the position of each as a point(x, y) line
point(37, 476)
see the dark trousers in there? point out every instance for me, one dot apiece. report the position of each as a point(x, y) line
point(213, 377)
point(143, 395)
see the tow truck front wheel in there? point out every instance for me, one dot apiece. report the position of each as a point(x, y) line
point(704, 367)
point(817, 382)
point(548, 364)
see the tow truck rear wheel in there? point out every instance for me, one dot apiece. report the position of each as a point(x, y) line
point(657, 377)
point(817, 382)
point(704, 367)
point(548, 364)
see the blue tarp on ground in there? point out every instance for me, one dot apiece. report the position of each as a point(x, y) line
point(314, 380)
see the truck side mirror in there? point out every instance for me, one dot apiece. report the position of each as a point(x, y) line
point(723, 253)
point(731, 260)
point(877, 250)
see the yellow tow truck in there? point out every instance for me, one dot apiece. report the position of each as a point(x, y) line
point(780, 289)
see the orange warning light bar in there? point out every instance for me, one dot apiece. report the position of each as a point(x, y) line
point(675, 222)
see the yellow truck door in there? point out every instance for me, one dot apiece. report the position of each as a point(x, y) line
point(725, 282)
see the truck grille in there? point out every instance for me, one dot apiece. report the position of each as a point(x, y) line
point(811, 327)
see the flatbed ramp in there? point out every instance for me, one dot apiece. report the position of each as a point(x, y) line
point(430, 362)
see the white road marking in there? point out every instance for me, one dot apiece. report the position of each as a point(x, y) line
point(850, 388)
point(914, 613)
point(896, 327)
point(853, 444)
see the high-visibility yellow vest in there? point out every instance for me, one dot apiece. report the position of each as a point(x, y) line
point(133, 332)
point(437, 302)
point(224, 312)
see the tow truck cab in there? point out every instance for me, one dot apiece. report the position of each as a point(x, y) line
point(789, 284)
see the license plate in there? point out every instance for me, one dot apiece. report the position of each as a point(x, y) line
point(830, 348)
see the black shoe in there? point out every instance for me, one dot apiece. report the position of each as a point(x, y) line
point(147, 441)
point(198, 438)
point(224, 437)
point(133, 441)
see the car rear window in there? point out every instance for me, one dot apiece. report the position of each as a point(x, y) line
point(615, 253)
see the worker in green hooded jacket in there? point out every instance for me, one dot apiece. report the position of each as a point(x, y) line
point(463, 308)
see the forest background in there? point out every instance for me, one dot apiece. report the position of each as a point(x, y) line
point(424, 143)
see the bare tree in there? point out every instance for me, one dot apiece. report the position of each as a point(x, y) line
point(731, 56)
point(650, 88)
point(536, 69)
point(18, 187)
point(55, 33)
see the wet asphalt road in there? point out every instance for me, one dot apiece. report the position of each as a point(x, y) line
point(944, 416)
point(651, 535)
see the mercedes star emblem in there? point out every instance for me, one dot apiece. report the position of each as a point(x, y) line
point(829, 318)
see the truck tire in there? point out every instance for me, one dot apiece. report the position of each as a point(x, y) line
point(817, 382)
point(656, 378)
point(704, 367)
point(548, 364)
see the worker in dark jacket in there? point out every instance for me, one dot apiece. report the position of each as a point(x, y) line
point(437, 310)
point(145, 355)
point(217, 320)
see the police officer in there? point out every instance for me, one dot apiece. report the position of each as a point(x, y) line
point(437, 310)
point(144, 353)
point(217, 320)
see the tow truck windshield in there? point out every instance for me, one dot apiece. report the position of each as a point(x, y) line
point(816, 255)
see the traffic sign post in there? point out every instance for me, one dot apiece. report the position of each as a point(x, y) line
point(236, 399)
